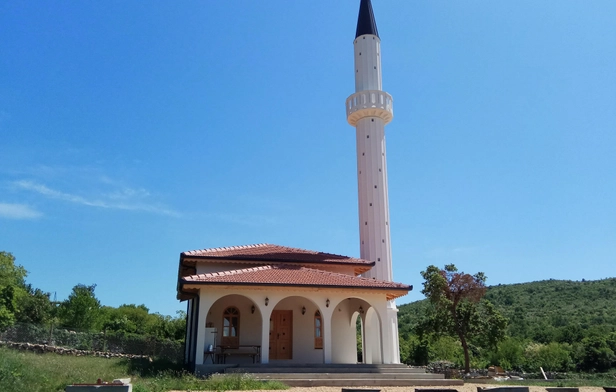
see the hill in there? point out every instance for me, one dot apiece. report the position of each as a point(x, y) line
point(545, 311)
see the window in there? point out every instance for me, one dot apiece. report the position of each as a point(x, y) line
point(231, 327)
point(318, 330)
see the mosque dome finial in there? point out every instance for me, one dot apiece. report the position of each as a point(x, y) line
point(365, 21)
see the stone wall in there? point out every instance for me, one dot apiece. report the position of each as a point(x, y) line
point(44, 348)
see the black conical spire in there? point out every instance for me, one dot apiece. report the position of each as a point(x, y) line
point(365, 21)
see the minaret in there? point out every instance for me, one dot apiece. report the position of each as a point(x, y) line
point(369, 110)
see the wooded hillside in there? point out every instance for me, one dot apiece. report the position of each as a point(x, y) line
point(545, 311)
point(573, 321)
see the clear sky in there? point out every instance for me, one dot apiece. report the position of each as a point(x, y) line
point(131, 131)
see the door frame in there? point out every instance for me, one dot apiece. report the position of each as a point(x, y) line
point(273, 328)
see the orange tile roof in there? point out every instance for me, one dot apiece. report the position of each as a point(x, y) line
point(297, 276)
point(275, 253)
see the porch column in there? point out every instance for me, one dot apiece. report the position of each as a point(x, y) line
point(328, 344)
point(205, 303)
point(266, 313)
point(190, 332)
point(391, 343)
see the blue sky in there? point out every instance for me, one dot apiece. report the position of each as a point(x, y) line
point(132, 131)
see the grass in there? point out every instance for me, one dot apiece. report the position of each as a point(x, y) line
point(560, 383)
point(573, 380)
point(26, 371)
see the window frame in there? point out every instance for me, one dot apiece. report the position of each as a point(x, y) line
point(231, 316)
point(318, 330)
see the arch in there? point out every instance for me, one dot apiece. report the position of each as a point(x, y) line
point(373, 337)
point(302, 311)
point(344, 331)
point(248, 325)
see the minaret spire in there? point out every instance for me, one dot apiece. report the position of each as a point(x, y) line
point(365, 21)
point(369, 110)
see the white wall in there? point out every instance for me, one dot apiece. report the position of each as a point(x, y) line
point(339, 338)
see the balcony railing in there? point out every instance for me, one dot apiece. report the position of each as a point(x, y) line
point(369, 103)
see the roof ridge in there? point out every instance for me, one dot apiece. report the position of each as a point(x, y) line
point(262, 245)
point(224, 248)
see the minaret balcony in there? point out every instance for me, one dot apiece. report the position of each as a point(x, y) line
point(369, 103)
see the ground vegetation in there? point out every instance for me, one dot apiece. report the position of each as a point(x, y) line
point(24, 371)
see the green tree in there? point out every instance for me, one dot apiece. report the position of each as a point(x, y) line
point(12, 287)
point(11, 274)
point(167, 327)
point(7, 306)
point(598, 356)
point(81, 310)
point(34, 307)
point(457, 311)
point(128, 319)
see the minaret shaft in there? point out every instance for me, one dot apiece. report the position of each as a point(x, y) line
point(373, 198)
point(371, 161)
point(367, 63)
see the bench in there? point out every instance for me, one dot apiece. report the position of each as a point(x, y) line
point(247, 350)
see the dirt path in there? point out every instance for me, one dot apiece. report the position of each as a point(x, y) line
point(468, 387)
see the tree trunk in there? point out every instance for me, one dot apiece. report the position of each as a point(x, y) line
point(467, 360)
point(460, 332)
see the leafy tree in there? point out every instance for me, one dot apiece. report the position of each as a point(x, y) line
point(598, 355)
point(457, 311)
point(167, 327)
point(81, 310)
point(12, 283)
point(34, 307)
point(7, 306)
point(11, 274)
point(128, 319)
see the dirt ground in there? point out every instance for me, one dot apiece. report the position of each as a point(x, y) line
point(468, 387)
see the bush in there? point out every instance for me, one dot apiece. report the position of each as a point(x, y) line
point(447, 348)
point(552, 357)
point(509, 355)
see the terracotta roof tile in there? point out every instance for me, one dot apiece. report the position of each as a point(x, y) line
point(269, 252)
point(285, 275)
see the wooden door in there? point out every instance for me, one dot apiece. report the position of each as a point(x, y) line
point(281, 334)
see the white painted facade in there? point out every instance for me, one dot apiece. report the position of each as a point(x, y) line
point(338, 330)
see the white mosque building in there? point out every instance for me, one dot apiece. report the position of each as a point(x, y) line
point(273, 304)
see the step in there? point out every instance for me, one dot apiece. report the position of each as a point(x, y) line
point(331, 365)
point(342, 382)
point(322, 369)
point(327, 368)
point(356, 376)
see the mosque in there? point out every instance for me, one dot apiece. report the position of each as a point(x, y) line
point(274, 304)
